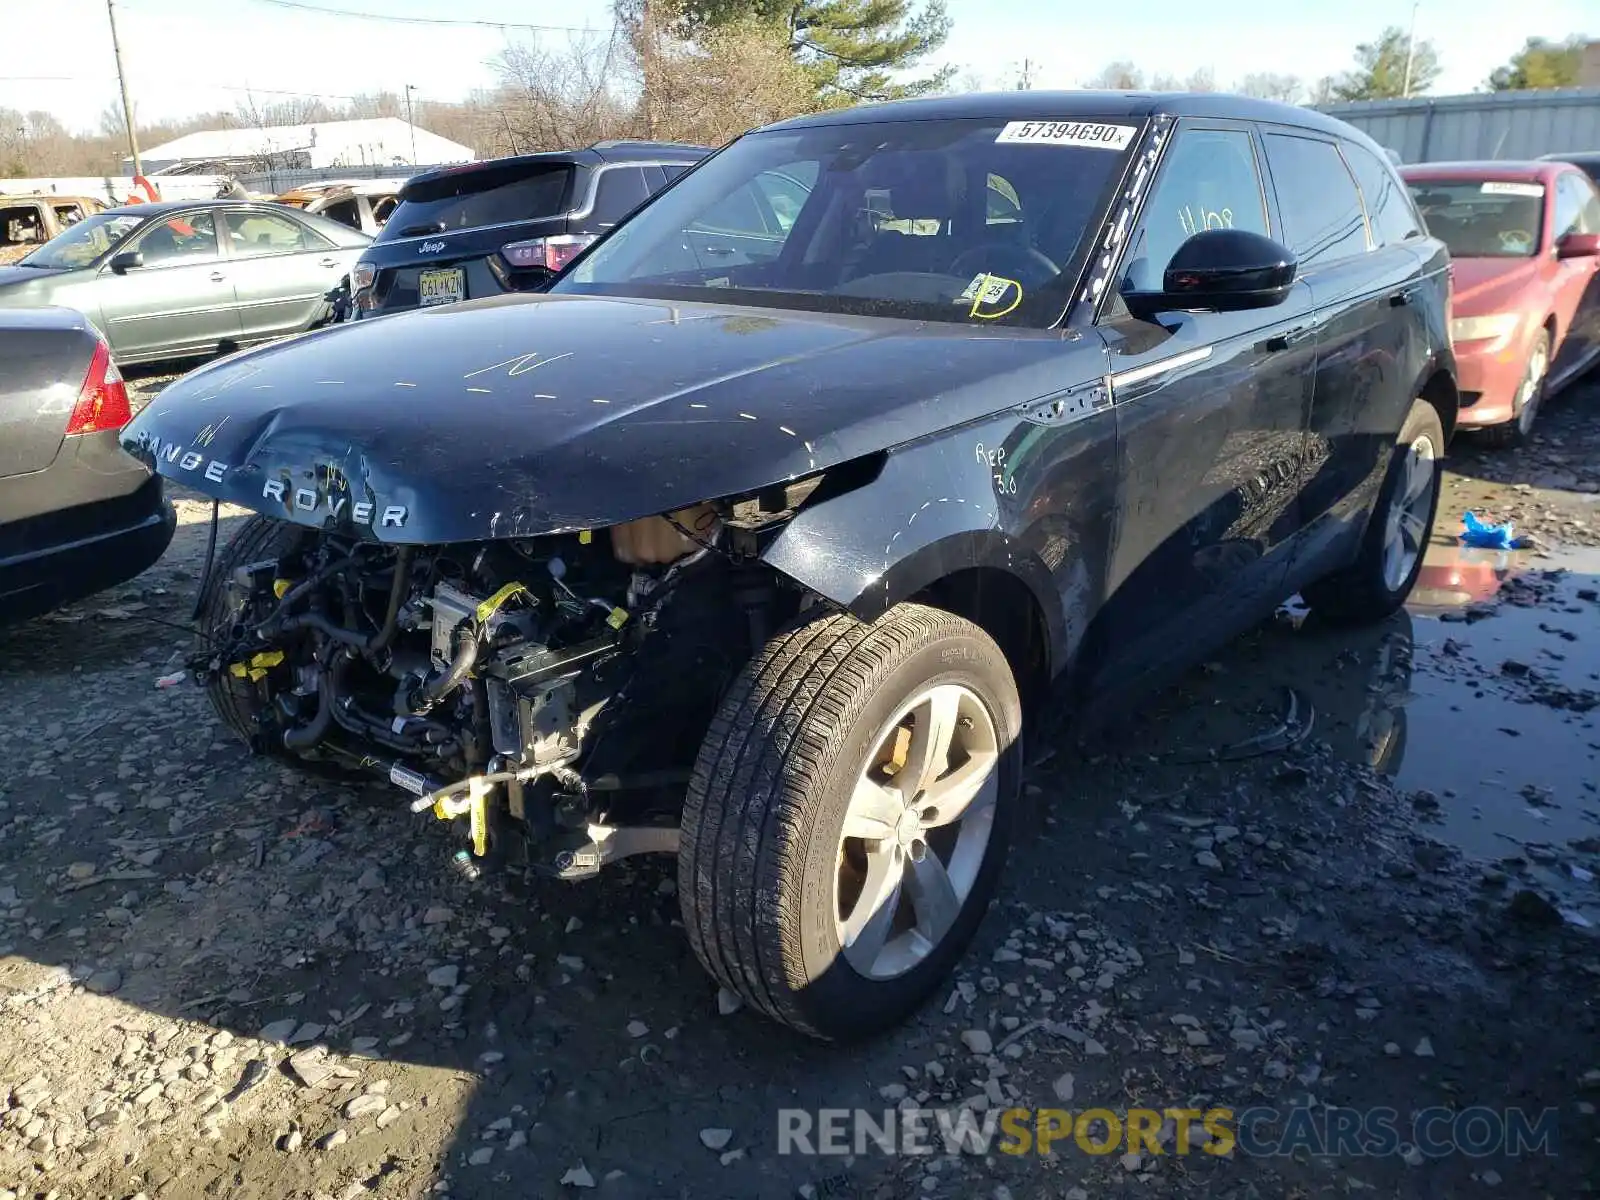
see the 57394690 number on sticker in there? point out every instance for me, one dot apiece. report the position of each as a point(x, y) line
point(1068, 133)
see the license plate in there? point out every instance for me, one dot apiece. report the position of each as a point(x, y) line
point(444, 285)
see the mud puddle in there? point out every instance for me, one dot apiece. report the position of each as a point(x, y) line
point(1481, 701)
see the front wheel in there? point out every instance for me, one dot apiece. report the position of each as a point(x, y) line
point(848, 817)
point(1390, 560)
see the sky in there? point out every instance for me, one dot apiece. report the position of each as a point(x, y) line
point(184, 56)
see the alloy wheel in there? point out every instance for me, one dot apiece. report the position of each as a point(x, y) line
point(1407, 528)
point(914, 836)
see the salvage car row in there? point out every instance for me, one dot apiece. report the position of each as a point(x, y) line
point(755, 522)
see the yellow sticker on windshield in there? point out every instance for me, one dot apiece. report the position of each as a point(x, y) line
point(986, 290)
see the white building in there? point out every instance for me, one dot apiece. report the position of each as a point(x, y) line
point(377, 142)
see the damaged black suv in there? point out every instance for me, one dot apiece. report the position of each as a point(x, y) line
point(758, 537)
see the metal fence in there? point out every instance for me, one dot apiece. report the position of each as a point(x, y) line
point(1488, 125)
point(285, 178)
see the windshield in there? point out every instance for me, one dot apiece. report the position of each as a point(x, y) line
point(80, 244)
point(967, 220)
point(494, 195)
point(1482, 219)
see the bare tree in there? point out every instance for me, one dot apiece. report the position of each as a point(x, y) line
point(561, 95)
point(1120, 76)
point(1268, 85)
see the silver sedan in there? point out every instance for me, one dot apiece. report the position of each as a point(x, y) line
point(184, 278)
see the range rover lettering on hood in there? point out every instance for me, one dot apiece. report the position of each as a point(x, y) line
point(534, 415)
point(334, 500)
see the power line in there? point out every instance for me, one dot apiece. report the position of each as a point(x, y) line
point(394, 19)
point(195, 83)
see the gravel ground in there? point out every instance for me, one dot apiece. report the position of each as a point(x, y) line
point(221, 978)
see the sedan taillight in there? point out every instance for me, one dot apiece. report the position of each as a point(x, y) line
point(103, 399)
point(546, 253)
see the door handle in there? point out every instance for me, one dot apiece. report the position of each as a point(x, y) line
point(719, 249)
point(328, 262)
point(217, 277)
point(1282, 341)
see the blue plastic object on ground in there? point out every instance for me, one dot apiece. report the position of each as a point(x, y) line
point(1489, 537)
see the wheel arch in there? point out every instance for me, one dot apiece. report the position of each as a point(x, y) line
point(1439, 390)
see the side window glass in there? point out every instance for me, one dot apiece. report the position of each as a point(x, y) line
point(1001, 203)
point(69, 214)
point(1209, 181)
point(1322, 214)
point(621, 190)
point(259, 234)
point(187, 238)
point(786, 193)
point(346, 212)
point(20, 226)
point(739, 212)
point(1569, 208)
point(1590, 220)
point(1388, 203)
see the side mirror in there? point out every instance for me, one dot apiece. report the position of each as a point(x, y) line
point(126, 261)
point(1579, 245)
point(1224, 270)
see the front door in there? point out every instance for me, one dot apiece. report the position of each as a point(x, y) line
point(1211, 415)
point(179, 301)
point(283, 271)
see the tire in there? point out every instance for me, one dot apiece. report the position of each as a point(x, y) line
point(1369, 590)
point(236, 700)
point(1530, 396)
point(763, 864)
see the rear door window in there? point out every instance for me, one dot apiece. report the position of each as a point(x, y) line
point(619, 191)
point(1322, 216)
point(494, 195)
point(260, 234)
point(1388, 203)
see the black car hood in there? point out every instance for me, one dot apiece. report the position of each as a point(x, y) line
point(533, 415)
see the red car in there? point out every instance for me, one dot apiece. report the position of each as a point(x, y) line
point(1525, 312)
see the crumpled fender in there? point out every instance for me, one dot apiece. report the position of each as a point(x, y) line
point(936, 507)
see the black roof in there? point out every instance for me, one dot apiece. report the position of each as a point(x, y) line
point(621, 150)
point(624, 149)
point(1078, 106)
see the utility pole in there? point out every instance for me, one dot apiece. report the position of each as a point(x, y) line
point(122, 80)
point(411, 124)
point(1411, 51)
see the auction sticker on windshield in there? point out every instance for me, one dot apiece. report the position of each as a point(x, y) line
point(1068, 133)
point(1497, 187)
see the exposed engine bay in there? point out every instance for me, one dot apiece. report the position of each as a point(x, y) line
point(549, 694)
